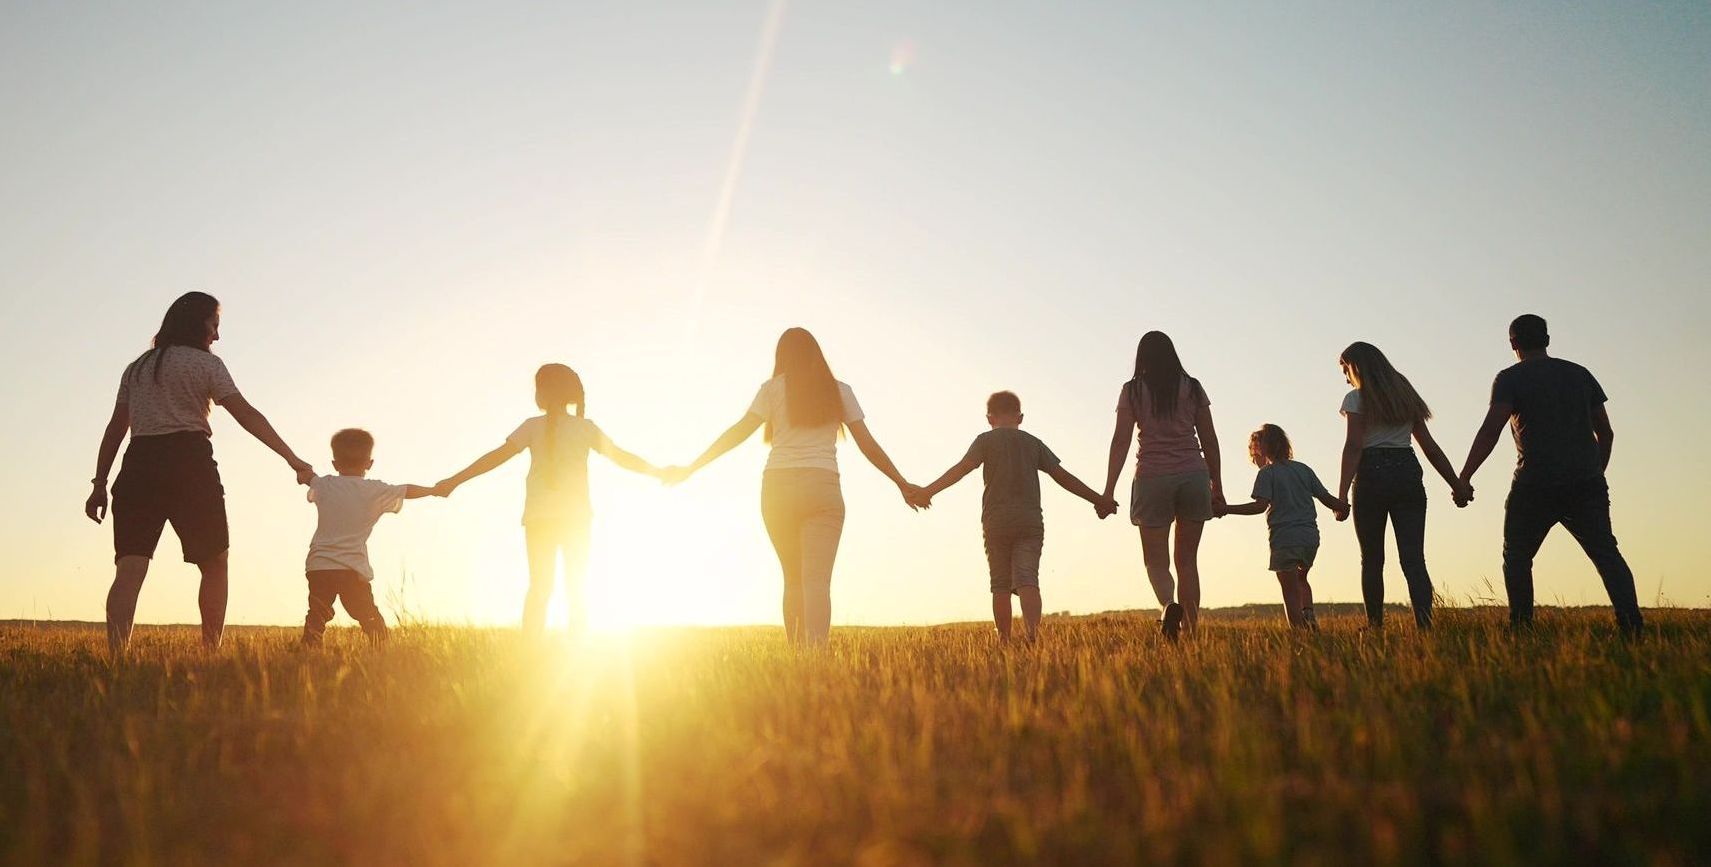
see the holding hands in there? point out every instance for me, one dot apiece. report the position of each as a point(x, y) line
point(1463, 492)
point(1105, 507)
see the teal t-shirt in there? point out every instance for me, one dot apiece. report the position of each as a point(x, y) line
point(1291, 487)
point(1011, 460)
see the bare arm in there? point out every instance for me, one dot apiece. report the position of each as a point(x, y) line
point(1485, 440)
point(627, 460)
point(875, 455)
point(1353, 441)
point(117, 426)
point(1070, 483)
point(1257, 507)
point(951, 476)
point(1606, 435)
point(1119, 447)
point(485, 464)
point(251, 419)
point(416, 492)
point(730, 439)
point(1435, 455)
point(1209, 445)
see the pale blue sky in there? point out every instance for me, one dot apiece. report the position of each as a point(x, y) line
point(406, 209)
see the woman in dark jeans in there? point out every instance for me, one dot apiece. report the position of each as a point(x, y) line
point(1385, 417)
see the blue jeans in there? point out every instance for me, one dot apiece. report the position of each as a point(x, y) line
point(1582, 508)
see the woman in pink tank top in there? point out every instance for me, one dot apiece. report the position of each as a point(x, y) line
point(1177, 479)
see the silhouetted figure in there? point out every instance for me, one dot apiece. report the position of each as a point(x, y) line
point(804, 409)
point(557, 511)
point(1385, 416)
point(1563, 440)
point(1177, 473)
point(169, 474)
point(1011, 520)
point(1284, 491)
point(346, 508)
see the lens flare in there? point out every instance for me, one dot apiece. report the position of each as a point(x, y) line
point(902, 56)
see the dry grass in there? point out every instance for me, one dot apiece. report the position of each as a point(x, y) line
point(896, 746)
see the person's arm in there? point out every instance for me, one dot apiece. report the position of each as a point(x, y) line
point(485, 464)
point(1102, 505)
point(1119, 447)
point(1338, 507)
point(1435, 456)
point(416, 492)
point(117, 426)
point(952, 476)
point(624, 459)
point(1257, 507)
point(1605, 434)
point(1485, 440)
point(730, 439)
point(1353, 442)
point(251, 419)
point(876, 455)
point(1209, 445)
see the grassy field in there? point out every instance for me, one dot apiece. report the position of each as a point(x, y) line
point(895, 746)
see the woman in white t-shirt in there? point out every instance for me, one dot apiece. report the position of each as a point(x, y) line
point(169, 475)
point(557, 513)
point(1385, 416)
point(804, 409)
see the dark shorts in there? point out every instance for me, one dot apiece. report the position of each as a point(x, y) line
point(1013, 545)
point(170, 478)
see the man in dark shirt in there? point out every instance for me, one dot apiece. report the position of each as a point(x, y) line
point(1562, 445)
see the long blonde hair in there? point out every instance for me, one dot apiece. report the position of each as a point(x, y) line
point(557, 387)
point(811, 395)
point(1386, 396)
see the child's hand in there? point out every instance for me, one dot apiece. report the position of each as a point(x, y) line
point(305, 473)
point(1105, 508)
point(675, 475)
point(444, 488)
point(1341, 510)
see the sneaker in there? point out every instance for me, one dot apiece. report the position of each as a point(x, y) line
point(1171, 622)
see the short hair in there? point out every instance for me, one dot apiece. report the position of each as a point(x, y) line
point(1270, 443)
point(1004, 403)
point(1529, 332)
point(352, 445)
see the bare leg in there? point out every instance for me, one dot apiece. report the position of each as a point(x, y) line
point(211, 598)
point(1188, 570)
point(1030, 610)
point(1291, 602)
point(1001, 614)
point(1155, 553)
point(122, 601)
point(543, 567)
point(1304, 598)
point(575, 570)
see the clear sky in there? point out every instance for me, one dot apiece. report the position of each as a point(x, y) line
point(405, 210)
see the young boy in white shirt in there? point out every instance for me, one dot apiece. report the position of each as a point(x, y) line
point(348, 505)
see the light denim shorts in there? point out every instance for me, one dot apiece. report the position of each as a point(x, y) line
point(1159, 501)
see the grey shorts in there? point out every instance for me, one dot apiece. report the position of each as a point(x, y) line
point(1158, 501)
point(1013, 553)
point(1290, 558)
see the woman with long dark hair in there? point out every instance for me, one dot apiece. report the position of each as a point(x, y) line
point(804, 410)
point(1178, 479)
point(169, 474)
point(1385, 416)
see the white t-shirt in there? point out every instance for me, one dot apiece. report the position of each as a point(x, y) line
point(347, 507)
point(811, 448)
point(180, 397)
point(557, 487)
point(1379, 436)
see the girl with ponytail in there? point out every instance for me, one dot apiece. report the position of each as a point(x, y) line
point(557, 513)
